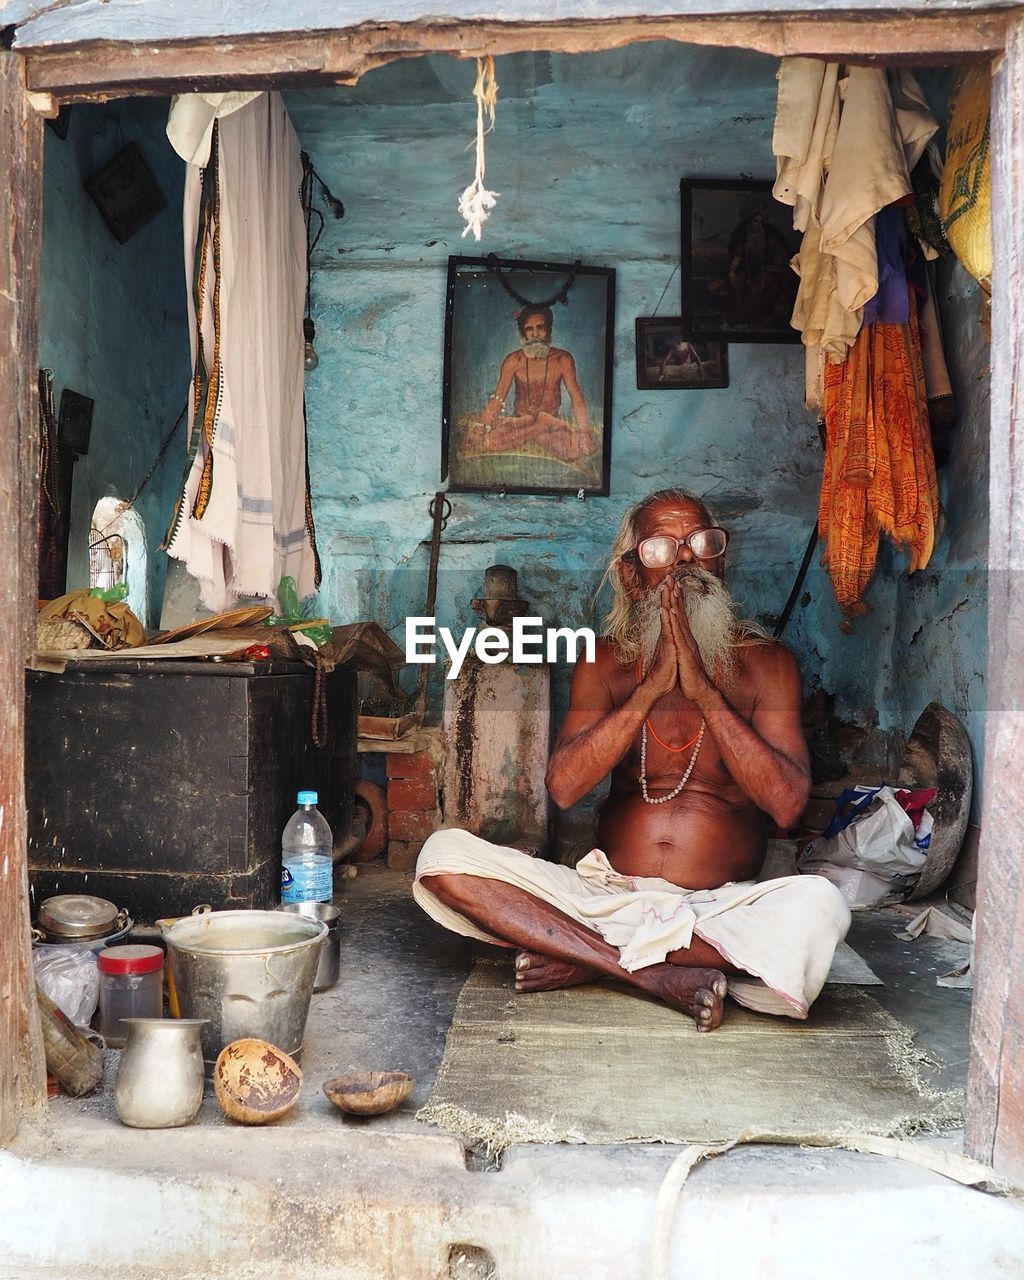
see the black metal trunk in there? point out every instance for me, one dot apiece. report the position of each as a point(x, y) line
point(161, 785)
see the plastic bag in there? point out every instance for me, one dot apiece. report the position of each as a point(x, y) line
point(111, 595)
point(71, 978)
point(292, 611)
point(871, 852)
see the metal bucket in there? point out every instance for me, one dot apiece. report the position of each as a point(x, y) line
point(249, 973)
point(330, 958)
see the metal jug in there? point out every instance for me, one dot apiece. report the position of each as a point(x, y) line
point(160, 1076)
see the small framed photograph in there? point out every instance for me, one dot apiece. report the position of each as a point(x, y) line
point(737, 243)
point(666, 361)
point(527, 376)
point(126, 193)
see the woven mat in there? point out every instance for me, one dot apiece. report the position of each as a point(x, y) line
point(603, 1064)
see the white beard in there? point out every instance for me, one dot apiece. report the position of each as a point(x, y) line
point(710, 611)
point(536, 350)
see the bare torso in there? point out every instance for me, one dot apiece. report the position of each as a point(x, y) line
point(538, 383)
point(710, 833)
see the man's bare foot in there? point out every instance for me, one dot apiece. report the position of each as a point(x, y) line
point(698, 992)
point(535, 972)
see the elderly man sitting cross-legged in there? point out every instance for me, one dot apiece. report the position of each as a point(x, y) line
point(696, 716)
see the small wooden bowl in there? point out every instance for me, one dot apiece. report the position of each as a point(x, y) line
point(369, 1093)
point(255, 1082)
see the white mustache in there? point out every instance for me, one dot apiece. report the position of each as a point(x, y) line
point(710, 611)
point(536, 350)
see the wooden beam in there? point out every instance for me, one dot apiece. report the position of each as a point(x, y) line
point(995, 1093)
point(111, 69)
point(22, 1074)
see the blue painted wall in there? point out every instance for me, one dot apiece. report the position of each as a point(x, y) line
point(112, 323)
point(586, 157)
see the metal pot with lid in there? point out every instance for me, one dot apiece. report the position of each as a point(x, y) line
point(78, 917)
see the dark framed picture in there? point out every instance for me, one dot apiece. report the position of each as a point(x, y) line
point(527, 376)
point(126, 193)
point(666, 361)
point(737, 242)
point(74, 425)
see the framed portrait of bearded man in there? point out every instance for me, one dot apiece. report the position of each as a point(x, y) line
point(527, 376)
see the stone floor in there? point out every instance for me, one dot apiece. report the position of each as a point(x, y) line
point(401, 975)
point(327, 1197)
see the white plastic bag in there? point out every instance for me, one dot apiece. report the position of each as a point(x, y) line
point(874, 859)
point(881, 841)
point(71, 978)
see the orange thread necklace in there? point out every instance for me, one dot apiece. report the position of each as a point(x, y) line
point(650, 727)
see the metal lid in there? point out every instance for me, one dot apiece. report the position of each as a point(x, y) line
point(77, 915)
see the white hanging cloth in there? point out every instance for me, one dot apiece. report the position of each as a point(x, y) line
point(243, 519)
point(844, 150)
point(191, 118)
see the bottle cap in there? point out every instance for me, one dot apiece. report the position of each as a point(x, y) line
point(130, 959)
point(308, 797)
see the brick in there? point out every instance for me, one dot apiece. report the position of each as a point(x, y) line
point(417, 766)
point(408, 824)
point(411, 793)
point(402, 854)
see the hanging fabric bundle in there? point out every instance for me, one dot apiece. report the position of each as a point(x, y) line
point(845, 145)
point(476, 202)
point(879, 473)
point(241, 524)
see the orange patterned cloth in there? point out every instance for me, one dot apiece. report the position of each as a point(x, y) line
point(879, 473)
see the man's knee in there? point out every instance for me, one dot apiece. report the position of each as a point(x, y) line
point(453, 890)
point(822, 896)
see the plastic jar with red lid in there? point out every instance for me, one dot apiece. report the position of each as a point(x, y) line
point(131, 986)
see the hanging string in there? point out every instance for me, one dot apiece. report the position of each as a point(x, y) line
point(48, 440)
point(665, 290)
point(476, 202)
point(124, 506)
point(310, 180)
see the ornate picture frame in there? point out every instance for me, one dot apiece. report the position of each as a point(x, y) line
point(527, 397)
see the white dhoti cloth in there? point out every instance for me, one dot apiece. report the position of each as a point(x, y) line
point(782, 932)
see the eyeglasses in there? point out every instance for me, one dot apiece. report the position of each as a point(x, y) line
point(662, 551)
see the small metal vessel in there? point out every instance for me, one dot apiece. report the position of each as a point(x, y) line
point(160, 1077)
point(330, 958)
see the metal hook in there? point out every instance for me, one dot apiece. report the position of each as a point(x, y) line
point(446, 510)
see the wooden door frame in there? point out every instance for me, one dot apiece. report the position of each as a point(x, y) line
point(94, 72)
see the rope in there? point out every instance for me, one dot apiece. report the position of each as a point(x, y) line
point(561, 295)
point(476, 202)
point(961, 1169)
point(47, 440)
point(156, 461)
point(318, 721)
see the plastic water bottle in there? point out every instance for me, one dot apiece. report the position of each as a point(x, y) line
point(307, 854)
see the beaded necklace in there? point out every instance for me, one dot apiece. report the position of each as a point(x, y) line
point(682, 781)
point(696, 742)
point(544, 385)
